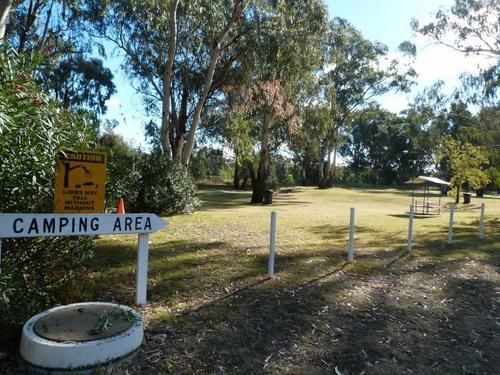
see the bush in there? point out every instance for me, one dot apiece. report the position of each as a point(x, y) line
point(123, 170)
point(165, 187)
point(36, 273)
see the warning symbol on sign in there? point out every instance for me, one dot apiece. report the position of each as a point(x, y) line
point(80, 182)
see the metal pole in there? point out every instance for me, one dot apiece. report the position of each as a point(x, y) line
point(350, 254)
point(481, 223)
point(410, 229)
point(450, 225)
point(272, 245)
point(142, 269)
point(0, 255)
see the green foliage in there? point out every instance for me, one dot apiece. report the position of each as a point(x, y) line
point(467, 164)
point(54, 28)
point(282, 170)
point(148, 182)
point(79, 83)
point(123, 169)
point(165, 187)
point(36, 273)
point(207, 162)
point(352, 74)
point(385, 149)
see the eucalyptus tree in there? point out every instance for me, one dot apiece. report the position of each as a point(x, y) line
point(176, 52)
point(355, 70)
point(385, 148)
point(304, 143)
point(288, 39)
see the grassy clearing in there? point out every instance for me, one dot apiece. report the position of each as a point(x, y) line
point(212, 310)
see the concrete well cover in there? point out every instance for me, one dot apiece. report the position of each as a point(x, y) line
point(80, 336)
point(83, 323)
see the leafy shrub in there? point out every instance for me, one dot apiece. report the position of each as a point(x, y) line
point(36, 273)
point(123, 170)
point(165, 187)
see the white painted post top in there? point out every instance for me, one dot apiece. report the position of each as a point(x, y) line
point(43, 225)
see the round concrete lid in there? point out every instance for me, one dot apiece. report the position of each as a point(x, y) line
point(83, 323)
point(81, 335)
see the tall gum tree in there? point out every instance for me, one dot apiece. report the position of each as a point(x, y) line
point(288, 37)
point(355, 70)
point(172, 52)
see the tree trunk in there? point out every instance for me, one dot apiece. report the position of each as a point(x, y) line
point(334, 165)
point(244, 183)
point(457, 197)
point(325, 179)
point(238, 8)
point(167, 81)
point(321, 169)
point(251, 172)
point(259, 185)
point(4, 16)
point(236, 176)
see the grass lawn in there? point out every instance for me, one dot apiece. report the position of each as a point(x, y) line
point(213, 310)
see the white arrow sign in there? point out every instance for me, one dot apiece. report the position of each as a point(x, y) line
point(42, 225)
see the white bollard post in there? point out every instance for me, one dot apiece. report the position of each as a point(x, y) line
point(450, 225)
point(142, 269)
point(410, 229)
point(272, 245)
point(481, 223)
point(350, 254)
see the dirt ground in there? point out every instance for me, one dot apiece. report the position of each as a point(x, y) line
point(411, 317)
point(414, 317)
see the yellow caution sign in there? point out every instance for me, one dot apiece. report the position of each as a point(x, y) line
point(80, 182)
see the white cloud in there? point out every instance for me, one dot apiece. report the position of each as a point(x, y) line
point(114, 101)
point(394, 102)
point(437, 62)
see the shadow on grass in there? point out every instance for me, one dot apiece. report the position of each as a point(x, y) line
point(365, 236)
point(173, 263)
point(304, 321)
point(399, 190)
point(217, 199)
point(416, 216)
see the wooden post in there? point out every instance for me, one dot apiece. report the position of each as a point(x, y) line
point(481, 223)
point(450, 225)
point(142, 269)
point(350, 254)
point(272, 245)
point(410, 229)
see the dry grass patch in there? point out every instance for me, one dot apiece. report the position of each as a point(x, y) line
point(213, 310)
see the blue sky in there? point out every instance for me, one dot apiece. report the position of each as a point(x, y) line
point(386, 21)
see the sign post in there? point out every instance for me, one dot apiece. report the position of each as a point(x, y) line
point(142, 269)
point(450, 225)
point(45, 225)
point(350, 253)
point(410, 228)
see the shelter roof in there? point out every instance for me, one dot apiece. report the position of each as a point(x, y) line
point(427, 179)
